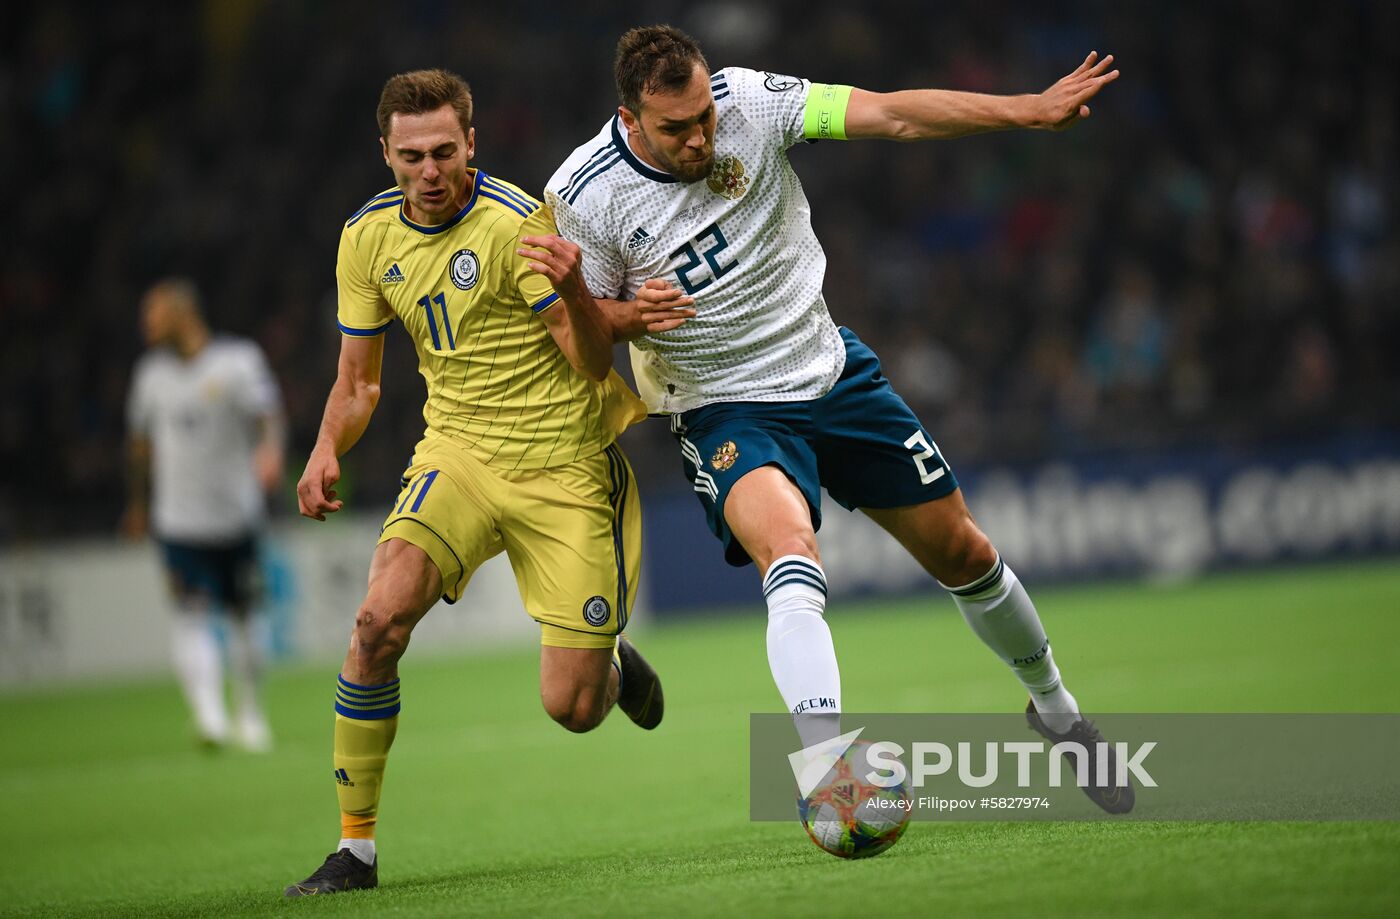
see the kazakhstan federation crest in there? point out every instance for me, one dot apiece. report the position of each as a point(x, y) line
point(595, 611)
point(727, 179)
point(465, 269)
point(725, 455)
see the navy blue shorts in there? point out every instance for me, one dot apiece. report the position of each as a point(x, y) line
point(226, 574)
point(860, 441)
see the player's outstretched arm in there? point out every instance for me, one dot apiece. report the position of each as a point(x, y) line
point(579, 329)
point(658, 307)
point(936, 114)
point(353, 397)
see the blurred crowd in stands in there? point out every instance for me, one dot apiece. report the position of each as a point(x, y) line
point(1212, 257)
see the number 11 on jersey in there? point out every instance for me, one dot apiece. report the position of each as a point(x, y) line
point(441, 301)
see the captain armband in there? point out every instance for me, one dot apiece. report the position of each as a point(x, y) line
point(824, 117)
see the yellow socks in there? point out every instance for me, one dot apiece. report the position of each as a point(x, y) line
point(366, 718)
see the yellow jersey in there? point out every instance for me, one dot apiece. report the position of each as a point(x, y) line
point(498, 385)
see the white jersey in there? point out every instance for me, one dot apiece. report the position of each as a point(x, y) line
point(202, 417)
point(740, 242)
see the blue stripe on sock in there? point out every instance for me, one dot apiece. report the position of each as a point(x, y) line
point(387, 698)
point(377, 714)
point(377, 702)
point(773, 576)
point(795, 577)
point(367, 697)
point(367, 691)
point(364, 707)
point(793, 565)
point(985, 582)
point(382, 693)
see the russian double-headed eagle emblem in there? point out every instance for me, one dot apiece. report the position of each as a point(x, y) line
point(725, 455)
point(727, 178)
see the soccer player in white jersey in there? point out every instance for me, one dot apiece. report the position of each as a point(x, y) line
point(205, 443)
point(769, 400)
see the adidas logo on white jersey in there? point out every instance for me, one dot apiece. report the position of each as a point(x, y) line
point(393, 275)
point(640, 240)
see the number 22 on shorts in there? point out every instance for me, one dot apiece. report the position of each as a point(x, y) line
point(930, 450)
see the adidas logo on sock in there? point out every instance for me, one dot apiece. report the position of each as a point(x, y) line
point(342, 778)
point(393, 275)
point(640, 240)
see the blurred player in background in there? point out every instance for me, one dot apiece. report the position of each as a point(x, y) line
point(768, 398)
point(519, 456)
point(205, 445)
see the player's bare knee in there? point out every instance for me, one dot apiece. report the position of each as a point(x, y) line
point(581, 721)
point(803, 544)
point(371, 624)
point(971, 555)
point(381, 633)
point(578, 712)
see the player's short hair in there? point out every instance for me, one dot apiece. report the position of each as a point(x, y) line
point(654, 59)
point(420, 91)
point(182, 291)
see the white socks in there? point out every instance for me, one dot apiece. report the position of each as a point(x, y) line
point(800, 653)
point(199, 666)
point(245, 664)
point(803, 660)
point(363, 849)
point(999, 610)
point(200, 670)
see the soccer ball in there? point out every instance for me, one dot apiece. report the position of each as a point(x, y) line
point(850, 817)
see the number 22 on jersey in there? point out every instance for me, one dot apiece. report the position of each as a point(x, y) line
point(710, 254)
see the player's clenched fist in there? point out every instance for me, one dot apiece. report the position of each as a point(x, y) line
point(315, 496)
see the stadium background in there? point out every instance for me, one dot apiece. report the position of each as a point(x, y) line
point(1155, 346)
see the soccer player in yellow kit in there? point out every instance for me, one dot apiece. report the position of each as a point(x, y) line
point(518, 456)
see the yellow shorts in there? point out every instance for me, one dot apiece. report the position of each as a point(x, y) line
point(573, 535)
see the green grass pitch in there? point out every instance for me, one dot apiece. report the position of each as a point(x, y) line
point(491, 809)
